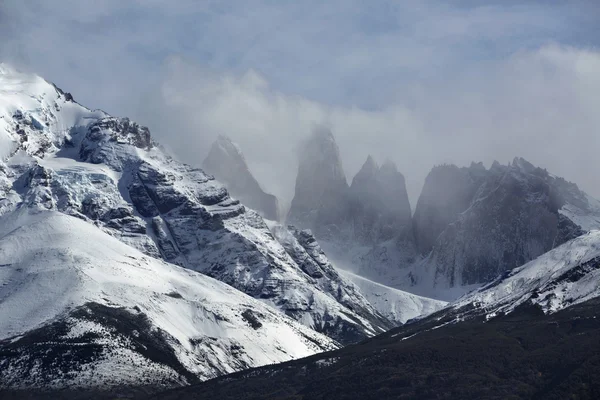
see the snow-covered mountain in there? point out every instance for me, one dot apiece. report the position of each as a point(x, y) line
point(227, 163)
point(81, 309)
point(563, 277)
point(60, 157)
point(530, 334)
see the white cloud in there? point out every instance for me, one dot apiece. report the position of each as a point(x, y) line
point(420, 82)
point(537, 104)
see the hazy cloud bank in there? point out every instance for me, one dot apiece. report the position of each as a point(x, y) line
point(419, 82)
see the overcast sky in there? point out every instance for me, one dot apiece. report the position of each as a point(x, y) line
point(420, 82)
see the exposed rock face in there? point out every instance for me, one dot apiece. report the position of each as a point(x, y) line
point(321, 199)
point(108, 172)
point(512, 217)
point(472, 225)
point(380, 206)
point(447, 192)
point(304, 249)
point(227, 163)
point(367, 225)
point(374, 209)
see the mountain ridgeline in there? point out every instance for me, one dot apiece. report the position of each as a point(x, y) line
point(532, 334)
point(125, 272)
point(470, 225)
point(116, 257)
point(374, 208)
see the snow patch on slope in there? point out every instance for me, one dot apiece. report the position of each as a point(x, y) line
point(586, 219)
point(567, 275)
point(396, 305)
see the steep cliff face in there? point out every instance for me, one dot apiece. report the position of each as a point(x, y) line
point(372, 210)
point(227, 163)
point(513, 218)
point(367, 227)
point(448, 191)
point(380, 207)
point(321, 197)
point(473, 224)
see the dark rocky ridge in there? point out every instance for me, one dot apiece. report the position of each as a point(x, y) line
point(52, 352)
point(374, 208)
point(380, 204)
point(321, 198)
point(523, 355)
point(447, 192)
point(491, 221)
point(227, 163)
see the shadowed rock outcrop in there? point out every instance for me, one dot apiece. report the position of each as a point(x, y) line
point(227, 163)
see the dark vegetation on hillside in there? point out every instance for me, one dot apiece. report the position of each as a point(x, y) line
point(523, 355)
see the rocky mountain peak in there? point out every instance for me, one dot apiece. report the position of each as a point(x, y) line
point(380, 205)
point(224, 144)
point(370, 164)
point(60, 158)
point(226, 162)
point(321, 156)
point(320, 200)
point(389, 165)
point(447, 192)
point(522, 164)
point(367, 172)
point(510, 215)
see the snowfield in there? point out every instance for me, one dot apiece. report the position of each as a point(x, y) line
point(51, 263)
point(395, 304)
point(567, 275)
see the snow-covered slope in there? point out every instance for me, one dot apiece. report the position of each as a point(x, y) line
point(567, 275)
point(81, 308)
point(35, 115)
point(396, 305)
point(108, 172)
point(585, 213)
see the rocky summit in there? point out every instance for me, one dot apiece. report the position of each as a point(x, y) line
point(517, 213)
point(373, 209)
point(227, 163)
point(321, 197)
